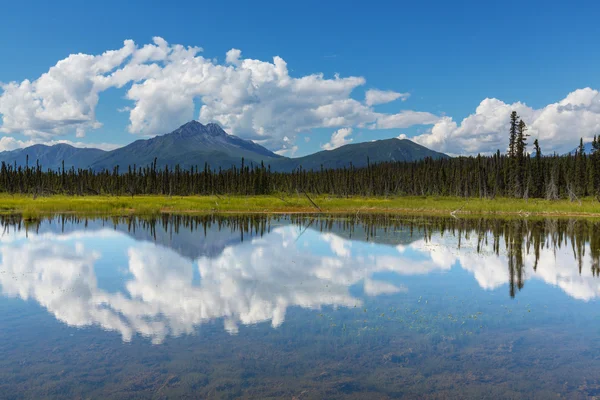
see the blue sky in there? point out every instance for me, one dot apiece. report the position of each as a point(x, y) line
point(538, 58)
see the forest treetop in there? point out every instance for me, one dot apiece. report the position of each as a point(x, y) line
point(517, 173)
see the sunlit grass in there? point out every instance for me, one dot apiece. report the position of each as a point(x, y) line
point(111, 205)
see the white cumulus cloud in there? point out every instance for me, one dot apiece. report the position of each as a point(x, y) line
point(254, 99)
point(261, 101)
point(338, 138)
point(375, 96)
point(62, 99)
point(558, 126)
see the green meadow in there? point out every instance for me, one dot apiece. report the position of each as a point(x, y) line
point(112, 205)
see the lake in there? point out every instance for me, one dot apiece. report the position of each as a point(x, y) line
point(299, 307)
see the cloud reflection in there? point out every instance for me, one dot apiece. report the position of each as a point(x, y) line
point(247, 283)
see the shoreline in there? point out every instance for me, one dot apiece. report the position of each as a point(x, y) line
point(29, 207)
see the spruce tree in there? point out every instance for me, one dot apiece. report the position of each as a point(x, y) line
point(512, 151)
point(513, 134)
point(519, 156)
point(581, 170)
point(595, 161)
point(538, 173)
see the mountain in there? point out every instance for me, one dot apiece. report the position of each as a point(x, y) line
point(52, 156)
point(190, 145)
point(359, 154)
point(587, 149)
point(194, 144)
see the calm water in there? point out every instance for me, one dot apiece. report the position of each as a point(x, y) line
point(299, 307)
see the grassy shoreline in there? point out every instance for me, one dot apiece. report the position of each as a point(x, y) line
point(110, 205)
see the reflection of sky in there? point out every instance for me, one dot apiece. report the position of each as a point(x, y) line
point(108, 279)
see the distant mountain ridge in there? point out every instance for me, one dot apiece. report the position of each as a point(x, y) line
point(194, 144)
point(359, 154)
point(587, 149)
point(51, 156)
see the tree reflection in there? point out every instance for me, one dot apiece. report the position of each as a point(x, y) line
point(515, 238)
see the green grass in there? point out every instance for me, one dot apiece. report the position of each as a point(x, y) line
point(109, 205)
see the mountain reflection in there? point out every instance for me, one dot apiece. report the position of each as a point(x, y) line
point(253, 269)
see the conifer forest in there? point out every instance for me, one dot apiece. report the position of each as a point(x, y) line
point(523, 171)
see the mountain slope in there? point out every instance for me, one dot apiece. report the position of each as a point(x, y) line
point(51, 157)
point(194, 144)
point(358, 153)
point(587, 149)
point(190, 145)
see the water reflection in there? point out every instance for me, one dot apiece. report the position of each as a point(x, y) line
point(176, 273)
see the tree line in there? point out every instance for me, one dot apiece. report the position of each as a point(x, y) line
point(517, 173)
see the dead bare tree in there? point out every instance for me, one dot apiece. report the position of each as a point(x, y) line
point(572, 196)
point(312, 202)
point(551, 189)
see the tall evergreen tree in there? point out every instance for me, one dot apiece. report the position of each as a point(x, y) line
point(595, 167)
point(520, 152)
point(538, 173)
point(580, 170)
point(512, 151)
point(514, 118)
